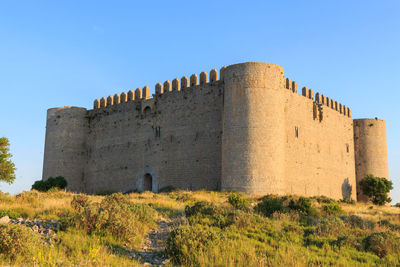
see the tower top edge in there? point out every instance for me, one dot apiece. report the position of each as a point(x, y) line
point(66, 107)
point(249, 63)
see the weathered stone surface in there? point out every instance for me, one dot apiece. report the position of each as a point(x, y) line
point(175, 85)
point(194, 79)
point(203, 77)
point(184, 82)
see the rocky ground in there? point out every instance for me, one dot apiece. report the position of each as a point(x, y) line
point(46, 228)
point(152, 251)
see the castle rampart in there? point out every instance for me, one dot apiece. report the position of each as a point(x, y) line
point(65, 145)
point(248, 130)
point(371, 150)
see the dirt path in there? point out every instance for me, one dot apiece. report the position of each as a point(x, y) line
point(152, 252)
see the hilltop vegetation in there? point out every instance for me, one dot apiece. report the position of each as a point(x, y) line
point(210, 228)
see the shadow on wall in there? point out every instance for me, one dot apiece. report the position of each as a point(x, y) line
point(346, 189)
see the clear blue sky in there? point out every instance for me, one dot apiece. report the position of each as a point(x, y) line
point(67, 53)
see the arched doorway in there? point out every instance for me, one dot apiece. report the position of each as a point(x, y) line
point(147, 182)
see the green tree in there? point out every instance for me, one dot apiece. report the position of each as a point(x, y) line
point(376, 188)
point(7, 167)
point(51, 182)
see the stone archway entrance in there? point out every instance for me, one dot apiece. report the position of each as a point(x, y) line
point(147, 182)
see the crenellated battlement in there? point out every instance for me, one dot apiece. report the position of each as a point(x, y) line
point(318, 98)
point(141, 94)
point(144, 93)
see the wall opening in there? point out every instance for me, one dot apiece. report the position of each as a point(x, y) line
point(148, 182)
point(147, 112)
point(296, 131)
point(347, 148)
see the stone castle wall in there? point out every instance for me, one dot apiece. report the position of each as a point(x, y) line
point(248, 131)
point(319, 147)
point(175, 137)
point(371, 150)
point(65, 145)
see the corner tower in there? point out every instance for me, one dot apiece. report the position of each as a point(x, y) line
point(65, 151)
point(370, 149)
point(253, 129)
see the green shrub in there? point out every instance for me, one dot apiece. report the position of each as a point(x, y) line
point(181, 196)
point(355, 221)
point(79, 202)
point(16, 240)
point(348, 200)
point(382, 243)
point(397, 205)
point(376, 188)
point(208, 214)
point(51, 182)
point(238, 201)
point(302, 204)
point(167, 189)
point(13, 214)
point(269, 204)
point(114, 215)
point(186, 243)
point(329, 226)
point(323, 199)
point(104, 192)
point(332, 208)
point(202, 208)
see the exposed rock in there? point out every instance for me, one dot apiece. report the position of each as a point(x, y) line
point(44, 228)
point(4, 219)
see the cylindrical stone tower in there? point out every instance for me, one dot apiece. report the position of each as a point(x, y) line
point(65, 151)
point(253, 129)
point(370, 150)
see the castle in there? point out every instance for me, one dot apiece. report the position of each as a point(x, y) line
point(249, 130)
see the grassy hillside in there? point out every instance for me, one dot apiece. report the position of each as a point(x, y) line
point(196, 228)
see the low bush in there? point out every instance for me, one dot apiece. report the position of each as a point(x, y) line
point(355, 221)
point(269, 204)
point(167, 189)
point(238, 201)
point(302, 204)
point(16, 240)
point(104, 192)
point(181, 196)
point(323, 199)
point(186, 243)
point(51, 182)
point(382, 243)
point(348, 200)
point(114, 215)
point(208, 214)
point(332, 208)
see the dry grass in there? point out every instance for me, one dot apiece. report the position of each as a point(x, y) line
point(249, 242)
point(373, 212)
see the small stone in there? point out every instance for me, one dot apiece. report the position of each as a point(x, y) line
point(4, 220)
point(35, 228)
